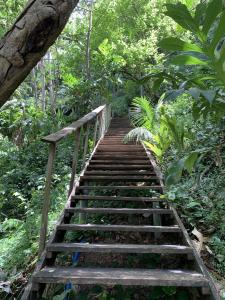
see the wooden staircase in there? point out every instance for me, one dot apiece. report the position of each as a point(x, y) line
point(122, 184)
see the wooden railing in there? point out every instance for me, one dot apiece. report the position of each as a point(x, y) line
point(102, 118)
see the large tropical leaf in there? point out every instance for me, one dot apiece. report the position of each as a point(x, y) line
point(174, 172)
point(187, 60)
point(219, 33)
point(176, 44)
point(142, 113)
point(138, 134)
point(199, 11)
point(180, 14)
point(190, 161)
point(155, 149)
point(212, 11)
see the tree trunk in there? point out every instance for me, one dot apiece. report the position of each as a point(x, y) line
point(52, 87)
point(88, 45)
point(43, 85)
point(35, 30)
point(34, 86)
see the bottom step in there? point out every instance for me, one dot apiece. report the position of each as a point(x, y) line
point(111, 276)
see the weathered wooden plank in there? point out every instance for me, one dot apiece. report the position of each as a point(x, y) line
point(119, 167)
point(120, 187)
point(119, 156)
point(130, 211)
point(120, 161)
point(134, 277)
point(119, 248)
point(117, 198)
point(119, 172)
point(118, 178)
point(126, 228)
point(120, 150)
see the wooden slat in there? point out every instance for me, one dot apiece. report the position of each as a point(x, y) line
point(119, 172)
point(120, 150)
point(129, 211)
point(126, 228)
point(118, 248)
point(119, 156)
point(116, 154)
point(134, 277)
point(120, 187)
point(120, 167)
point(120, 161)
point(118, 178)
point(117, 198)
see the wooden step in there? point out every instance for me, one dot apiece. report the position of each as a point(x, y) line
point(118, 248)
point(120, 150)
point(113, 276)
point(128, 211)
point(119, 187)
point(118, 178)
point(127, 172)
point(120, 156)
point(120, 161)
point(120, 167)
point(124, 228)
point(117, 198)
point(124, 146)
point(113, 153)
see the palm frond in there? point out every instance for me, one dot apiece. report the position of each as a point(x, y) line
point(138, 134)
point(142, 113)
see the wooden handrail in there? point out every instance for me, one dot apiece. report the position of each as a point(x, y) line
point(102, 114)
point(61, 134)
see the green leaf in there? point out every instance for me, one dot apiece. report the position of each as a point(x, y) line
point(173, 94)
point(157, 83)
point(187, 60)
point(169, 290)
point(219, 33)
point(193, 204)
point(199, 11)
point(209, 95)
point(190, 161)
point(174, 172)
point(180, 14)
point(156, 150)
point(212, 11)
point(61, 296)
point(178, 45)
point(194, 92)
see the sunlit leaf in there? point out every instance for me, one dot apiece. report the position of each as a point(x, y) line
point(180, 14)
point(187, 60)
point(178, 45)
point(212, 11)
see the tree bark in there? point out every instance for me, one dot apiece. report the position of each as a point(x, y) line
point(43, 85)
point(35, 30)
point(52, 86)
point(88, 44)
point(35, 87)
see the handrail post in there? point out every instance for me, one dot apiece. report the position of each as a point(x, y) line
point(75, 158)
point(109, 115)
point(95, 132)
point(100, 133)
point(86, 143)
point(46, 205)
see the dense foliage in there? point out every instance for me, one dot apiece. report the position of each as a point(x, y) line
point(163, 60)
